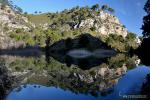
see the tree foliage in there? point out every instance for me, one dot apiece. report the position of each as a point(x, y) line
point(95, 7)
point(146, 20)
point(107, 8)
point(104, 7)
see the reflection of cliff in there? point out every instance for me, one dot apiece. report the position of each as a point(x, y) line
point(6, 80)
point(79, 82)
point(96, 80)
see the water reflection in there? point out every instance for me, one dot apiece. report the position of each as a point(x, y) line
point(5, 79)
point(103, 79)
point(124, 87)
point(84, 51)
point(98, 81)
point(83, 63)
point(46, 93)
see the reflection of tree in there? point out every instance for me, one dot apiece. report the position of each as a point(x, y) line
point(68, 44)
point(83, 41)
point(120, 59)
point(145, 90)
point(47, 53)
point(59, 75)
point(21, 87)
point(68, 61)
point(107, 92)
point(71, 78)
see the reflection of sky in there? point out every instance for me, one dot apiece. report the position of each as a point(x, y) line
point(133, 80)
point(130, 82)
point(130, 12)
point(46, 93)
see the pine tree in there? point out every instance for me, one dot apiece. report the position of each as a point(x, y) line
point(146, 21)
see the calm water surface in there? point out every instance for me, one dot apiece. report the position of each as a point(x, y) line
point(130, 83)
point(65, 78)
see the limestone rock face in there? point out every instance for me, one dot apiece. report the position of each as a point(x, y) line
point(87, 23)
point(104, 23)
point(9, 20)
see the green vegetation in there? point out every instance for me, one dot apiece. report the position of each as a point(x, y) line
point(120, 59)
point(121, 44)
point(107, 8)
point(57, 29)
point(4, 1)
point(75, 14)
point(146, 20)
point(59, 74)
point(38, 19)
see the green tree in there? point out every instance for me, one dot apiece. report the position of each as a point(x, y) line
point(130, 36)
point(35, 12)
point(95, 7)
point(25, 13)
point(104, 7)
point(18, 9)
point(111, 10)
point(146, 20)
point(123, 26)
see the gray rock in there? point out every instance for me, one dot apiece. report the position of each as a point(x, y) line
point(105, 24)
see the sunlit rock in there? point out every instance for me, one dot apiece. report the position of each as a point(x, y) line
point(105, 24)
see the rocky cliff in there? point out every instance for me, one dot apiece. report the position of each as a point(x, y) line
point(10, 21)
point(88, 21)
point(104, 23)
point(60, 25)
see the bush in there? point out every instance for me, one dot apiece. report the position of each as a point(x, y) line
point(130, 36)
point(19, 30)
point(93, 28)
point(3, 6)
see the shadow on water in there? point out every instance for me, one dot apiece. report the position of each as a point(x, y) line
point(143, 51)
point(23, 52)
point(84, 51)
point(83, 63)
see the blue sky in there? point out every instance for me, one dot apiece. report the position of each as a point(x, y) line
point(130, 12)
